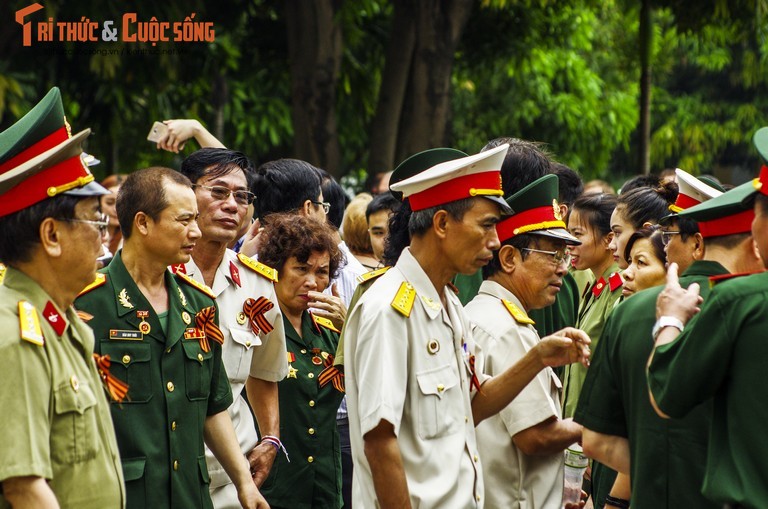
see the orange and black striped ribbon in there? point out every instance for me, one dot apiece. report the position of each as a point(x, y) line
point(117, 389)
point(474, 381)
point(254, 310)
point(331, 374)
point(205, 321)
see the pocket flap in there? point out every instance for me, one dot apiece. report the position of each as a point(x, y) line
point(203, 469)
point(195, 352)
point(67, 399)
point(126, 352)
point(437, 380)
point(245, 338)
point(133, 468)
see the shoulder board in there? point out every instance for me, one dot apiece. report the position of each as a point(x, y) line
point(194, 284)
point(99, 281)
point(517, 313)
point(2, 273)
point(615, 281)
point(259, 268)
point(404, 298)
point(321, 321)
point(714, 280)
point(29, 324)
point(362, 278)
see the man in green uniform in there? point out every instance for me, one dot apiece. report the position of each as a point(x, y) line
point(161, 332)
point(666, 459)
point(58, 446)
point(721, 354)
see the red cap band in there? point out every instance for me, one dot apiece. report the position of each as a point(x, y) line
point(58, 136)
point(685, 202)
point(729, 225)
point(539, 218)
point(477, 184)
point(761, 183)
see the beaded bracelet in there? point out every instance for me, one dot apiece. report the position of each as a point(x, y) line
point(271, 439)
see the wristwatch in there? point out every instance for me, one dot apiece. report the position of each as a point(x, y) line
point(666, 321)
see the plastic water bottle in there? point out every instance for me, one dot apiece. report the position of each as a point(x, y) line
point(575, 466)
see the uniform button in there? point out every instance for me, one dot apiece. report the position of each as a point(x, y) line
point(248, 342)
point(200, 357)
point(170, 386)
point(310, 459)
point(311, 431)
point(311, 402)
point(477, 497)
point(126, 359)
point(311, 375)
point(440, 388)
point(475, 458)
point(75, 383)
point(168, 351)
point(173, 426)
point(466, 418)
point(176, 464)
point(303, 350)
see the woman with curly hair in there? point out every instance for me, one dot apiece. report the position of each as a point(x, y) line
point(305, 254)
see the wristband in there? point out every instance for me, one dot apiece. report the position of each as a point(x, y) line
point(616, 502)
point(666, 321)
point(278, 445)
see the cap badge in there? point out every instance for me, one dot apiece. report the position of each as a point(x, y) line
point(556, 210)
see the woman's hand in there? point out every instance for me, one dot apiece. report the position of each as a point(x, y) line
point(329, 306)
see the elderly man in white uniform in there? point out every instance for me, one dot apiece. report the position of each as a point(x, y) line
point(412, 368)
point(522, 446)
point(254, 351)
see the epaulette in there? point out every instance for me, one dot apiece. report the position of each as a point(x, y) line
point(321, 321)
point(2, 273)
point(100, 280)
point(259, 268)
point(517, 313)
point(714, 280)
point(362, 278)
point(194, 284)
point(29, 324)
point(404, 298)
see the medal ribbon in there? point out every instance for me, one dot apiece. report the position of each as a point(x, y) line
point(254, 310)
point(117, 389)
point(474, 381)
point(204, 320)
point(331, 374)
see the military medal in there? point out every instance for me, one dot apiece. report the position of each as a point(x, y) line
point(433, 346)
point(185, 316)
point(144, 326)
point(241, 318)
point(291, 370)
point(316, 360)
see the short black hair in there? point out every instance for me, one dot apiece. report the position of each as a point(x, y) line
point(525, 162)
point(653, 234)
point(216, 162)
point(383, 201)
point(569, 183)
point(284, 185)
point(398, 238)
point(596, 209)
point(685, 225)
point(144, 191)
point(519, 242)
point(638, 181)
point(421, 221)
point(334, 194)
point(21, 230)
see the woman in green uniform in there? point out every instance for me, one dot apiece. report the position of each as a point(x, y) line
point(306, 257)
point(647, 261)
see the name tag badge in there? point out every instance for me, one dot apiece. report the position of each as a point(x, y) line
point(130, 335)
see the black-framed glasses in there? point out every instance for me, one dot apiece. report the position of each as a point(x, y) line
point(222, 193)
point(557, 256)
point(666, 236)
point(101, 224)
point(326, 206)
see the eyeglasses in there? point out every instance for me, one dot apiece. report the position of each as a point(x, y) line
point(666, 236)
point(559, 257)
point(326, 206)
point(222, 193)
point(101, 224)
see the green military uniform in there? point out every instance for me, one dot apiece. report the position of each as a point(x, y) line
point(597, 303)
point(667, 456)
point(307, 422)
point(174, 384)
point(56, 422)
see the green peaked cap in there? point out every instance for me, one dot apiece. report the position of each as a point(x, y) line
point(536, 211)
point(44, 119)
point(727, 214)
point(420, 162)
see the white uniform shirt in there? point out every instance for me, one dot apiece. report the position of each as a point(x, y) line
point(414, 373)
point(240, 354)
point(514, 480)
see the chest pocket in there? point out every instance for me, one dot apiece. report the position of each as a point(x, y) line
point(74, 423)
point(198, 369)
point(238, 352)
point(438, 398)
point(131, 364)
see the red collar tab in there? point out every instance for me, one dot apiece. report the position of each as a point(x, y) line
point(740, 222)
point(539, 218)
point(615, 281)
point(597, 288)
point(54, 318)
point(235, 273)
point(477, 184)
point(179, 268)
